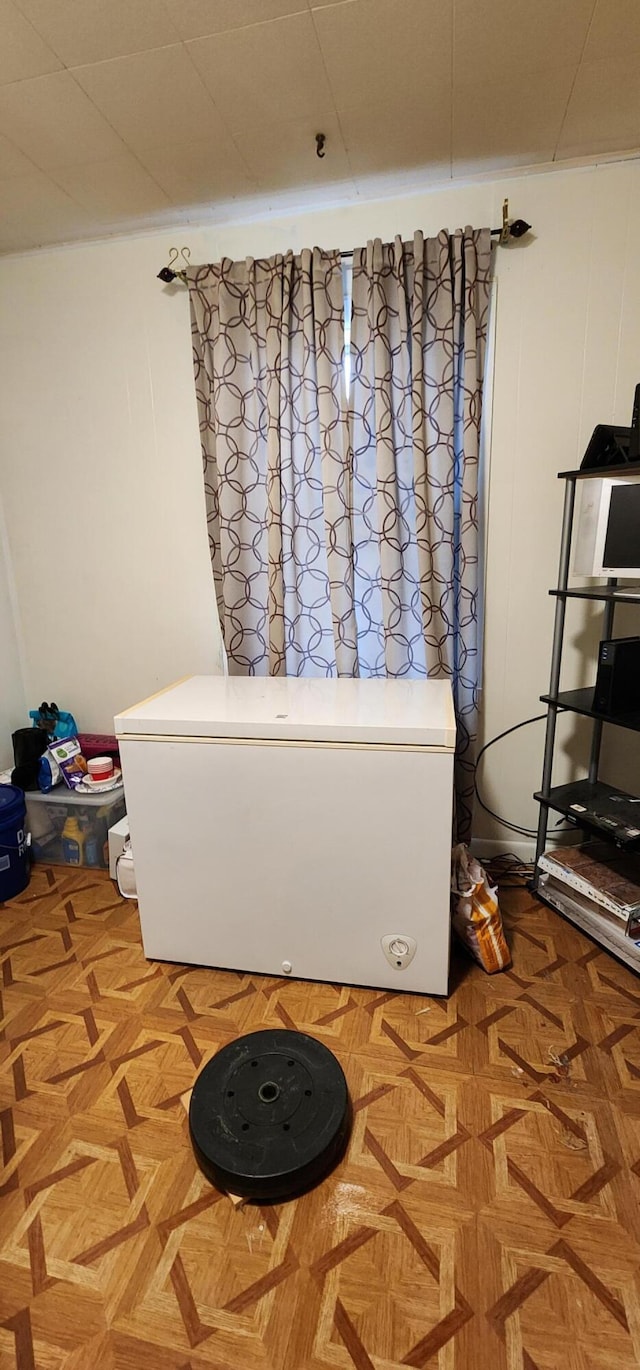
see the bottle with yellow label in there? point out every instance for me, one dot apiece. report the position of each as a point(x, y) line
point(73, 839)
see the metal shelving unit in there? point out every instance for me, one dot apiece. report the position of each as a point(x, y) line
point(561, 798)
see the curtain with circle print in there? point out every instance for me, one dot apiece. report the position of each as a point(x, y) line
point(268, 349)
point(418, 340)
point(344, 532)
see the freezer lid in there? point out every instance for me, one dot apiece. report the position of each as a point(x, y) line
point(396, 712)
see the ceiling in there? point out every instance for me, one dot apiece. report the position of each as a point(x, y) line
point(123, 114)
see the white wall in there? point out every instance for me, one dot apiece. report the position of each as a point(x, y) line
point(102, 464)
point(100, 467)
point(13, 707)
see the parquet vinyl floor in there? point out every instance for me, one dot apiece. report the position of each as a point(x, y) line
point(485, 1217)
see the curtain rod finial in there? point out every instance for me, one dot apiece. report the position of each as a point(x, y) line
point(518, 228)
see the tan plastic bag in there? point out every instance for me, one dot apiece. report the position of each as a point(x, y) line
point(475, 913)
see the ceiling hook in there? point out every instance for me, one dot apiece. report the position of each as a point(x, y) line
point(320, 142)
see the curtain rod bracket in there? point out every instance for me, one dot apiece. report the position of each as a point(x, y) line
point(510, 229)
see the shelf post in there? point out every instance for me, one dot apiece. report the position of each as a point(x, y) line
point(596, 736)
point(556, 662)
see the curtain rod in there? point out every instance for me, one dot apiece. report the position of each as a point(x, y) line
point(511, 228)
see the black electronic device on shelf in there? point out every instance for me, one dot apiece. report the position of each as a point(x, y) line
point(599, 808)
point(634, 443)
point(613, 445)
point(618, 680)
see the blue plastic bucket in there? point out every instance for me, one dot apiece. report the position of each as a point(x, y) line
point(14, 848)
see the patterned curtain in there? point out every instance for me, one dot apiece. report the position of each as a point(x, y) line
point(345, 541)
point(418, 334)
point(268, 345)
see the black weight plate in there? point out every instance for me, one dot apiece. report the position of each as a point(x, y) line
point(269, 1115)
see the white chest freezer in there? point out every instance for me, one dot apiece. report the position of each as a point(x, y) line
point(294, 826)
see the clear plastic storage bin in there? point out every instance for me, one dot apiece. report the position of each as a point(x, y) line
point(94, 814)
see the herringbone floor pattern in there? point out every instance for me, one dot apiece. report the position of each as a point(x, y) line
point(485, 1218)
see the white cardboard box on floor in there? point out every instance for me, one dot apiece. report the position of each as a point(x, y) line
point(118, 835)
point(295, 826)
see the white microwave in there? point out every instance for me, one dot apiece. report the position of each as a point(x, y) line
point(607, 541)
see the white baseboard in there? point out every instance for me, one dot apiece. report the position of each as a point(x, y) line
point(484, 846)
point(524, 848)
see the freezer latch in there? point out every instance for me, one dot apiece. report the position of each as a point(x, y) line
point(399, 949)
